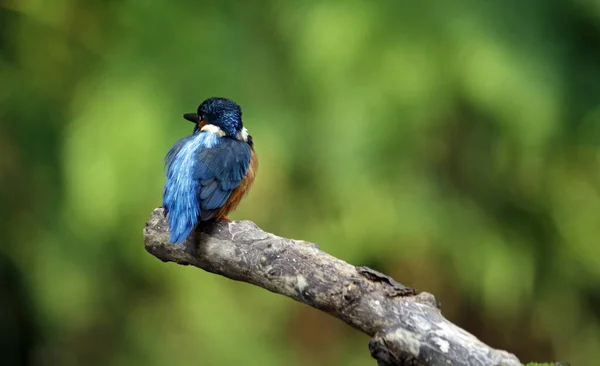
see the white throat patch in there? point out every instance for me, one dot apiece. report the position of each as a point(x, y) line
point(243, 135)
point(214, 129)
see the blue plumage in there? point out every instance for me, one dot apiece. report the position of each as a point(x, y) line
point(220, 170)
point(203, 169)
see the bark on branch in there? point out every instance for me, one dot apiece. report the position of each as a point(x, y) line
point(406, 327)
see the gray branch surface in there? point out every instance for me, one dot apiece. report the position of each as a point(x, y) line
point(407, 327)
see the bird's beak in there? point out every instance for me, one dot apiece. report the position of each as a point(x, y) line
point(192, 117)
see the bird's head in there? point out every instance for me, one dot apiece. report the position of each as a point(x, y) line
point(218, 115)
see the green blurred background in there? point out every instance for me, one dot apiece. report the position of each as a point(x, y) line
point(454, 145)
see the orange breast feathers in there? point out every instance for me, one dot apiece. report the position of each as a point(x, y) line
point(236, 196)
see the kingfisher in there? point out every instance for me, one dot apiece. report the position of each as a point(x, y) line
point(210, 171)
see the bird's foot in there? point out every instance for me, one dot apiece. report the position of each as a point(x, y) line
point(225, 218)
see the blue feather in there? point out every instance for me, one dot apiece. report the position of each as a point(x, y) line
point(202, 171)
point(220, 170)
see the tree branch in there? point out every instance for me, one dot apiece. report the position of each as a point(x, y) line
point(406, 327)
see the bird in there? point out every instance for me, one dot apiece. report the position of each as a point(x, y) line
point(210, 171)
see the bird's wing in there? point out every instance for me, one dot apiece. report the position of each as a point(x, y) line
point(202, 172)
point(169, 163)
point(219, 170)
